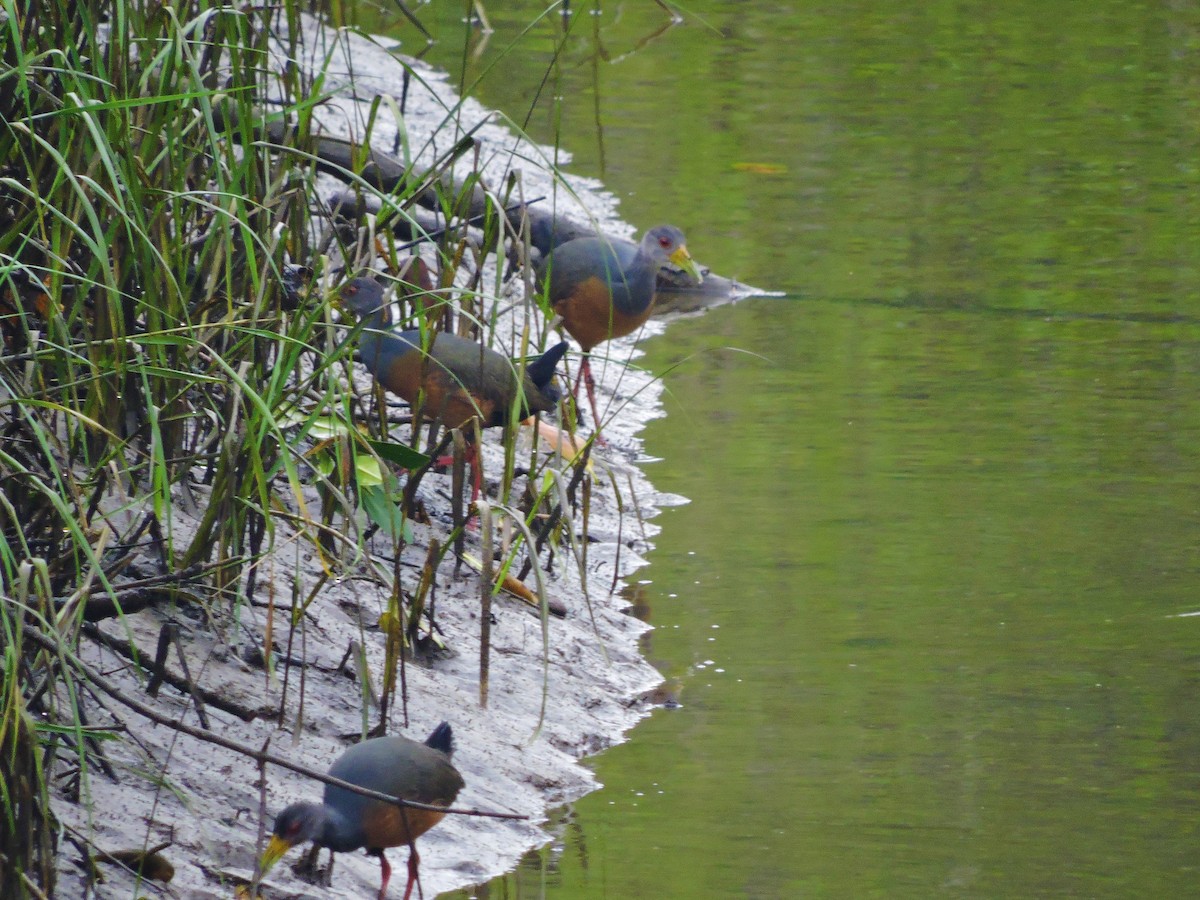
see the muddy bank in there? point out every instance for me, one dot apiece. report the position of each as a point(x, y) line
point(211, 804)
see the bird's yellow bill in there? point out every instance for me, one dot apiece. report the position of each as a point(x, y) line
point(683, 260)
point(274, 852)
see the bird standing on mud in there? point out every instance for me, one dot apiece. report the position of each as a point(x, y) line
point(346, 821)
point(604, 289)
point(454, 379)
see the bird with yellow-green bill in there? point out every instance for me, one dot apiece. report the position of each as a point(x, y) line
point(345, 820)
point(604, 289)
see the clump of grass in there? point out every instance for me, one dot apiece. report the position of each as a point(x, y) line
point(161, 351)
point(148, 340)
point(28, 827)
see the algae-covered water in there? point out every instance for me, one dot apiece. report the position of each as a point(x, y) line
point(934, 608)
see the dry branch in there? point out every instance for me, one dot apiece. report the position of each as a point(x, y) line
point(97, 680)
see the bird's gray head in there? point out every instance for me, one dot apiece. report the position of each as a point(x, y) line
point(362, 296)
point(666, 245)
point(299, 823)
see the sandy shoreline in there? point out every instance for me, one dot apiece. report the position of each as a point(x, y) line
point(207, 801)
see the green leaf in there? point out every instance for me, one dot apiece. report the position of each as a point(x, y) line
point(400, 454)
point(385, 512)
point(324, 427)
point(367, 471)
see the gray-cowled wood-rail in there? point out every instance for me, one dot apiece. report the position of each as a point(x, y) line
point(603, 289)
point(347, 821)
point(457, 379)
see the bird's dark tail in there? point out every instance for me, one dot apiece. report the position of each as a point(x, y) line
point(441, 738)
point(541, 370)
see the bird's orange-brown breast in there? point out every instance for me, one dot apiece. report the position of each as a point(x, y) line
point(590, 317)
point(445, 400)
point(388, 825)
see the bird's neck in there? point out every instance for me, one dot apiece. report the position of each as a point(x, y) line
point(375, 326)
point(338, 833)
point(378, 320)
point(641, 273)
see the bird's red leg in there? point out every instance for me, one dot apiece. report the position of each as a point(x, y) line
point(385, 874)
point(474, 461)
point(579, 378)
point(585, 372)
point(413, 877)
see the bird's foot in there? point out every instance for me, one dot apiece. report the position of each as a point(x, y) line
point(309, 869)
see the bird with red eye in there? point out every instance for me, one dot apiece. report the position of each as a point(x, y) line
point(345, 820)
point(605, 289)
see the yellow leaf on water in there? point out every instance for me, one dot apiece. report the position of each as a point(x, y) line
point(760, 168)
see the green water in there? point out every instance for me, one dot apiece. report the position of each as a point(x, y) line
point(932, 606)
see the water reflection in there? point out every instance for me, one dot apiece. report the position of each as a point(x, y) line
point(946, 507)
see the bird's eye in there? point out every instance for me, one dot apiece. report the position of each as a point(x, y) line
point(351, 289)
point(664, 242)
point(293, 830)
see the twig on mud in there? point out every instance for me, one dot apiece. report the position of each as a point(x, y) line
point(260, 756)
point(181, 684)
